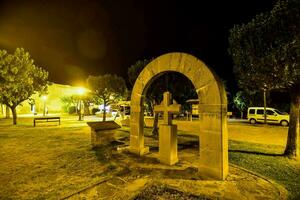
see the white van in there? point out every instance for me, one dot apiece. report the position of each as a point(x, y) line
point(256, 114)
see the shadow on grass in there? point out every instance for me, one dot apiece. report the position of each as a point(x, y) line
point(256, 153)
point(188, 145)
point(181, 145)
point(104, 153)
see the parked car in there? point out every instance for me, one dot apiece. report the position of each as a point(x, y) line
point(274, 116)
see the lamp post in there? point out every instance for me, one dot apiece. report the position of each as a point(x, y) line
point(265, 103)
point(44, 98)
point(81, 91)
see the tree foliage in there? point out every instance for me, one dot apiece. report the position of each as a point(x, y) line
point(19, 79)
point(107, 89)
point(135, 69)
point(71, 103)
point(241, 102)
point(266, 54)
point(266, 51)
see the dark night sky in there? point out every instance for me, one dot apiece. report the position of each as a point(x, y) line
point(72, 39)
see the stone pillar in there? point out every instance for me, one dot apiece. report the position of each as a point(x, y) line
point(137, 132)
point(168, 144)
point(213, 141)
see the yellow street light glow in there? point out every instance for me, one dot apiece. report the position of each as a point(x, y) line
point(81, 91)
point(44, 97)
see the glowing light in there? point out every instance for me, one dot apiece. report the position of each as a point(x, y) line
point(81, 90)
point(44, 97)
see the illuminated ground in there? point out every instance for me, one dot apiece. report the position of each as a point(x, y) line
point(52, 162)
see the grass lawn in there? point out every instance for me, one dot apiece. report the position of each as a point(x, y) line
point(267, 161)
point(46, 162)
point(50, 161)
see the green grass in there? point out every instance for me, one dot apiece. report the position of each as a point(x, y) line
point(267, 161)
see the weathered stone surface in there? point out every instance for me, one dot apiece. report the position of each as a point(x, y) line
point(167, 108)
point(212, 109)
point(168, 144)
point(102, 132)
point(107, 125)
point(167, 131)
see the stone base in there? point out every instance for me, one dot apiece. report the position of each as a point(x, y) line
point(102, 138)
point(137, 151)
point(168, 144)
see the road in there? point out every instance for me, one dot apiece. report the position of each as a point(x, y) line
point(240, 130)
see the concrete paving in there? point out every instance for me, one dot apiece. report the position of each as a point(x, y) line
point(145, 177)
point(240, 184)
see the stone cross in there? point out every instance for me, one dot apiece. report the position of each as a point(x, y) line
point(167, 108)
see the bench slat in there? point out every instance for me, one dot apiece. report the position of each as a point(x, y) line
point(46, 119)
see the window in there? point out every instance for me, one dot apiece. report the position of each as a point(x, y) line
point(260, 111)
point(279, 112)
point(251, 111)
point(270, 112)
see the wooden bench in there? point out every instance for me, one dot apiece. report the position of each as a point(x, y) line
point(46, 119)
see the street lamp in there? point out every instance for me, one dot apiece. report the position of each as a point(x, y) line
point(80, 91)
point(44, 98)
point(265, 103)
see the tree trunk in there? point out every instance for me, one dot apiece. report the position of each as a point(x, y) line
point(7, 112)
point(155, 125)
point(104, 112)
point(292, 149)
point(80, 111)
point(14, 113)
point(151, 108)
point(242, 115)
point(86, 109)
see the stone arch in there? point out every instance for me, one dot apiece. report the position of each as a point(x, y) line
point(213, 147)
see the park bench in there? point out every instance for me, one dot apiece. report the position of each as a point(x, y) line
point(46, 119)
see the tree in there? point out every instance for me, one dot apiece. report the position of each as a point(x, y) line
point(240, 102)
point(19, 79)
point(106, 89)
point(87, 99)
point(70, 103)
point(266, 55)
point(135, 69)
point(7, 112)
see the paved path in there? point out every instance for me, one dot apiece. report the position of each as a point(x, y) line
point(145, 178)
point(141, 182)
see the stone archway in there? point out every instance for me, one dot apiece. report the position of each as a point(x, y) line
point(213, 160)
